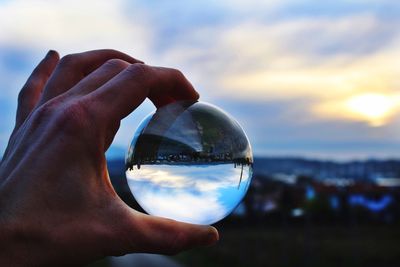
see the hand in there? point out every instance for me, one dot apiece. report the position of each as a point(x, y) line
point(57, 205)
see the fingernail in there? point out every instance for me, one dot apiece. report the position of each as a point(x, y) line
point(212, 237)
point(50, 53)
point(197, 95)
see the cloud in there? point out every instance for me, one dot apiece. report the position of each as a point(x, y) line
point(30, 28)
point(286, 127)
point(307, 58)
point(194, 194)
point(325, 59)
point(204, 209)
point(72, 26)
point(375, 109)
point(289, 58)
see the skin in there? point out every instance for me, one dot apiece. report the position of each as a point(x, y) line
point(57, 205)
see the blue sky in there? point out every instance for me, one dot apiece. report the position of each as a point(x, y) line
point(304, 78)
point(213, 191)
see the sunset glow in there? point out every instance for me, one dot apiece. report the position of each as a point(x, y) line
point(375, 108)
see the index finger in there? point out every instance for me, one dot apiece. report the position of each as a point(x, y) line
point(127, 90)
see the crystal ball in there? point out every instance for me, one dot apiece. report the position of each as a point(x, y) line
point(189, 161)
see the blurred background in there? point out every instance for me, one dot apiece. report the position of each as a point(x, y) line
point(315, 84)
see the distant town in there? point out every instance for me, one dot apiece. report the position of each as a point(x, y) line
point(197, 158)
point(380, 172)
point(299, 189)
point(324, 191)
point(154, 149)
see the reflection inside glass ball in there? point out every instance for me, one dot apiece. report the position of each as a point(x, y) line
point(189, 161)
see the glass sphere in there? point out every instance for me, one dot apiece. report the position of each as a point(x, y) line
point(189, 161)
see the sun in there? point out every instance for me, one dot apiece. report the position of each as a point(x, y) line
point(375, 108)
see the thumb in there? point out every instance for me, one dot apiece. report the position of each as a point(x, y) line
point(152, 234)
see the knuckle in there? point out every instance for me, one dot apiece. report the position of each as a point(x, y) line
point(27, 89)
point(177, 75)
point(116, 63)
point(69, 60)
point(72, 117)
point(44, 112)
point(110, 51)
point(139, 70)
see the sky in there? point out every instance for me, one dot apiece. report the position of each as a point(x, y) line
point(213, 191)
point(316, 79)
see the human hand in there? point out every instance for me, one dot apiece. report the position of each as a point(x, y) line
point(57, 205)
